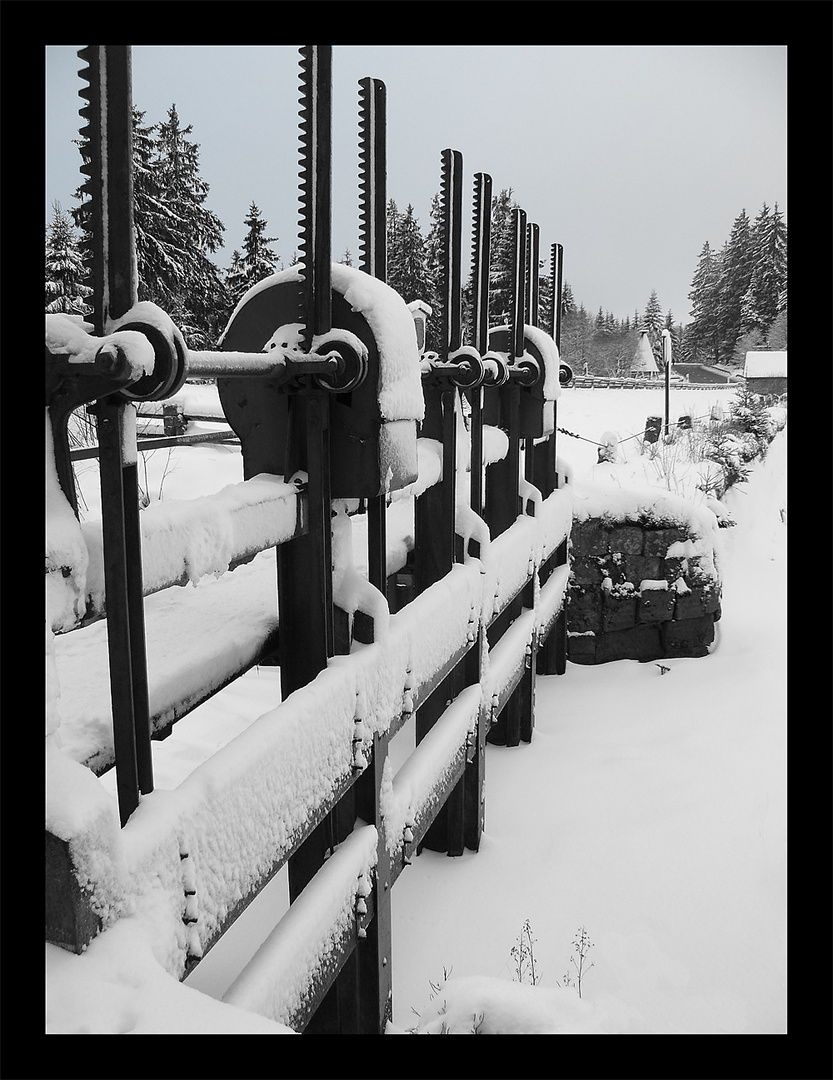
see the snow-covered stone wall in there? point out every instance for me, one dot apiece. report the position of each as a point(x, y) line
point(644, 579)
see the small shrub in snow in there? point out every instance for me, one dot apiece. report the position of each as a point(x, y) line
point(582, 946)
point(523, 954)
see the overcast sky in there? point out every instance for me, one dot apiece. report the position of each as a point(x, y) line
point(632, 157)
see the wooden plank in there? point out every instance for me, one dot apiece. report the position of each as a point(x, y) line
point(270, 983)
point(428, 812)
point(316, 825)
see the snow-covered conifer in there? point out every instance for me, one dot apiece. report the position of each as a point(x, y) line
point(65, 291)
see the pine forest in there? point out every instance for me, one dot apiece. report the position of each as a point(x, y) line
point(738, 291)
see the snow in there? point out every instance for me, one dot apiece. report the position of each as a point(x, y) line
point(66, 553)
point(651, 810)
point(188, 540)
point(352, 591)
point(546, 347)
point(274, 983)
point(552, 363)
point(196, 637)
point(765, 365)
point(71, 336)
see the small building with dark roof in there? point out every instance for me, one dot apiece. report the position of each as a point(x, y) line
point(766, 372)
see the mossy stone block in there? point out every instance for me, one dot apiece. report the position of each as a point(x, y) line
point(656, 605)
point(688, 637)
point(658, 541)
point(638, 643)
point(586, 570)
point(626, 539)
point(589, 538)
point(584, 610)
point(640, 567)
point(581, 648)
point(618, 612)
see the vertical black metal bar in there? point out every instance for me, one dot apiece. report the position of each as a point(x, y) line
point(434, 513)
point(482, 249)
point(556, 268)
point(502, 483)
point(122, 294)
point(316, 188)
point(373, 177)
point(373, 261)
point(374, 952)
point(516, 347)
point(110, 418)
point(666, 359)
point(480, 327)
point(110, 148)
point(452, 197)
point(474, 777)
point(552, 656)
point(476, 475)
point(136, 609)
point(304, 564)
point(121, 276)
point(322, 320)
point(377, 542)
point(532, 292)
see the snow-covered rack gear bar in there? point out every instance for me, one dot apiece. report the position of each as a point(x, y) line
point(343, 417)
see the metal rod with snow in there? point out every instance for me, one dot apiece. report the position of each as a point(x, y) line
point(412, 499)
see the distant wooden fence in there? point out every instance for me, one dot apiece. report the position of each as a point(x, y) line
point(174, 432)
point(601, 382)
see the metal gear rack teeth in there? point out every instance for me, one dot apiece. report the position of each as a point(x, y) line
point(90, 211)
point(449, 247)
point(372, 254)
point(519, 283)
point(307, 179)
point(481, 235)
point(315, 181)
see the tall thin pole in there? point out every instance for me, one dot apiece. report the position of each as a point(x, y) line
point(666, 359)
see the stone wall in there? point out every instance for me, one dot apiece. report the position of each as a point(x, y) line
point(640, 591)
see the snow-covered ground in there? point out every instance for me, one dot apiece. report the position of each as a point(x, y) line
point(649, 808)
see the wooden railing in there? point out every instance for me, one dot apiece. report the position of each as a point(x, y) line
point(493, 619)
point(445, 623)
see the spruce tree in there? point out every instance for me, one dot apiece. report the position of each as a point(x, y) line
point(65, 291)
point(184, 193)
point(735, 277)
point(702, 333)
point(391, 225)
point(173, 229)
point(259, 260)
point(236, 283)
point(407, 266)
point(501, 272)
point(161, 255)
point(433, 256)
point(761, 302)
point(652, 322)
point(545, 320)
point(576, 337)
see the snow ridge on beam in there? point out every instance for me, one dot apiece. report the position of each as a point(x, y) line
point(308, 946)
